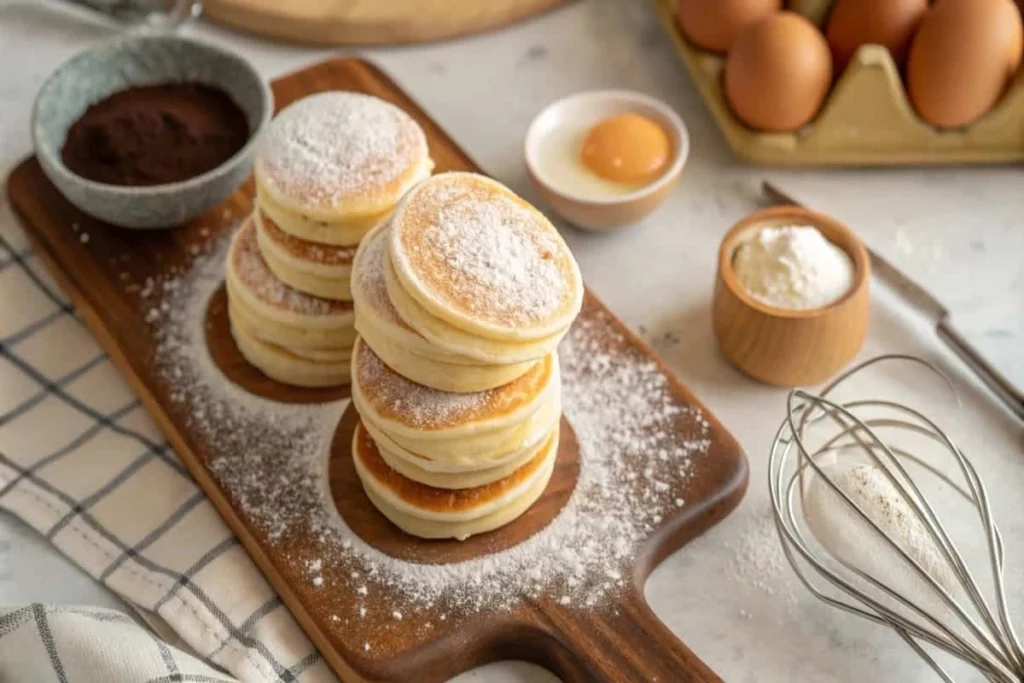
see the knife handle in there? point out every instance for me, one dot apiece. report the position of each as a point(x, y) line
point(1000, 385)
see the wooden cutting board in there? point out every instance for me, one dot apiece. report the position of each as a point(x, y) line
point(619, 640)
point(362, 22)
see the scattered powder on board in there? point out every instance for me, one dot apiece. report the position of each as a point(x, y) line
point(256, 274)
point(334, 145)
point(489, 255)
point(793, 267)
point(272, 460)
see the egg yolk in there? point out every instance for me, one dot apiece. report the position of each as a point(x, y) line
point(628, 148)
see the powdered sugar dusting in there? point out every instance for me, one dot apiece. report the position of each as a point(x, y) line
point(254, 272)
point(304, 250)
point(484, 252)
point(332, 146)
point(417, 405)
point(638, 446)
point(370, 271)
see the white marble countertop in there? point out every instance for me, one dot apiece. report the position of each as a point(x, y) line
point(729, 595)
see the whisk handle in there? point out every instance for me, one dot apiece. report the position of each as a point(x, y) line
point(625, 643)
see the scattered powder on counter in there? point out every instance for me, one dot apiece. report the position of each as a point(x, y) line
point(793, 267)
point(758, 558)
point(334, 145)
point(272, 460)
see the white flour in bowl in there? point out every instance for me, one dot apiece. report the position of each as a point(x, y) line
point(793, 267)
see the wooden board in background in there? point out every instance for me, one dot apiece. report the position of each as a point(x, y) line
point(620, 642)
point(370, 22)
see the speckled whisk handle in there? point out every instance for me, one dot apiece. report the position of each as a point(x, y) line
point(156, 14)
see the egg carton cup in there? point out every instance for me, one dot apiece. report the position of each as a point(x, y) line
point(866, 120)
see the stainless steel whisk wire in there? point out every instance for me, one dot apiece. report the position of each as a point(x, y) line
point(993, 646)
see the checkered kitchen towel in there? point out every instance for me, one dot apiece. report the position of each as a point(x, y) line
point(81, 461)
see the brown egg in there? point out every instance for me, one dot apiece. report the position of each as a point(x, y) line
point(714, 24)
point(961, 59)
point(778, 73)
point(891, 23)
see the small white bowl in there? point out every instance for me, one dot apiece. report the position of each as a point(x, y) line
point(581, 111)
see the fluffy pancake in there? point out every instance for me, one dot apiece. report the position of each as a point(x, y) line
point(340, 156)
point(287, 365)
point(318, 269)
point(431, 512)
point(468, 429)
point(346, 233)
point(482, 450)
point(402, 348)
point(454, 340)
point(276, 312)
point(446, 475)
point(476, 256)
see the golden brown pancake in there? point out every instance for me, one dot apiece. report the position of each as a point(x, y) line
point(432, 512)
point(340, 156)
point(321, 270)
point(478, 257)
point(414, 408)
point(268, 295)
point(298, 368)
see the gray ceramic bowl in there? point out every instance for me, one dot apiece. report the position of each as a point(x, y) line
point(146, 60)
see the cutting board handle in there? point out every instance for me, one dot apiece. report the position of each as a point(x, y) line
point(625, 643)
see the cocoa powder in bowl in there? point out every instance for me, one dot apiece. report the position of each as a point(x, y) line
point(155, 134)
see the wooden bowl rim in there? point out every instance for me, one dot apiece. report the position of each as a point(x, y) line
point(835, 231)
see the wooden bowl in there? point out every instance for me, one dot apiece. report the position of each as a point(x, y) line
point(785, 347)
point(572, 116)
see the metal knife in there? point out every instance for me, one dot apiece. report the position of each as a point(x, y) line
point(922, 299)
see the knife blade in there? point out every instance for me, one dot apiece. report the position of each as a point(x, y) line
point(920, 298)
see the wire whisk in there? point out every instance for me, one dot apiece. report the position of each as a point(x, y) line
point(848, 482)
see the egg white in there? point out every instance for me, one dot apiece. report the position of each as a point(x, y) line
point(560, 165)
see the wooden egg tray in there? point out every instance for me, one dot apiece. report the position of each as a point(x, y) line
point(619, 640)
point(867, 119)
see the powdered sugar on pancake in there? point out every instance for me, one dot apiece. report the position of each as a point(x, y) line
point(325, 254)
point(370, 272)
point(401, 399)
point(477, 247)
point(329, 147)
point(255, 274)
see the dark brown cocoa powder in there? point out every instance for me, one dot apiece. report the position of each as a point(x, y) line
point(150, 135)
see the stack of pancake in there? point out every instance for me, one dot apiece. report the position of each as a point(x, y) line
point(331, 167)
point(461, 299)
